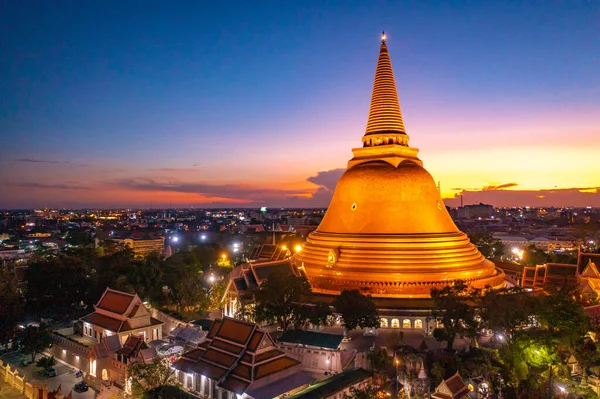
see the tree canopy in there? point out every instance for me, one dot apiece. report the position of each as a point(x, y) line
point(278, 298)
point(356, 310)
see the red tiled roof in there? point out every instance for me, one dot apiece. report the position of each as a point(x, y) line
point(255, 340)
point(220, 358)
point(103, 321)
point(274, 366)
point(213, 329)
point(115, 301)
point(234, 385)
point(267, 355)
point(183, 364)
point(242, 371)
point(231, 348)
point(194, 354)
point(235, 330)
point(153, 322)
point(209, 370)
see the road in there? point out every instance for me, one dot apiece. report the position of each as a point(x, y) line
point(65, 378)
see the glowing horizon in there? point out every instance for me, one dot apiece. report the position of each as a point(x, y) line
point(211, 119)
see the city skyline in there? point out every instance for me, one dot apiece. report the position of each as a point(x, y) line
point(114, 106)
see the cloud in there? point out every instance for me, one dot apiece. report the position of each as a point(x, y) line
point(240, 192)
point(327, 179)
point(499, 187)
point(54, 186)
point(32, 160)
point(568, 197)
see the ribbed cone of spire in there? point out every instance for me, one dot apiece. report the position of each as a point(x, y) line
point(384, 114)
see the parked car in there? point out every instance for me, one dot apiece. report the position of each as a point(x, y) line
point(81, 387)
point(50, 372)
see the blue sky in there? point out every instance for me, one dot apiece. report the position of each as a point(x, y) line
point(262, 96)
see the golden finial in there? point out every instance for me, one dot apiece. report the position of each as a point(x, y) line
point(383, 37)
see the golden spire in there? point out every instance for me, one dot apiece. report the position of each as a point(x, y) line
point(385, 118)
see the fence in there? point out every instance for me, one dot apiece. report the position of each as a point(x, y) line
point(70, 344)
point(29, 390)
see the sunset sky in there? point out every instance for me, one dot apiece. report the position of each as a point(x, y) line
point(143, 103)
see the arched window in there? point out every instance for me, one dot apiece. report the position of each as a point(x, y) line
point(418, 323)
point(383, 323)
point(105, 374)
point(395, 323)
point(406, 323)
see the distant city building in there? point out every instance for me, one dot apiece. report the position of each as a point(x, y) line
point(143, 246)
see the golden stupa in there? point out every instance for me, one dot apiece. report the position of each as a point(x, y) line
point(386, 231)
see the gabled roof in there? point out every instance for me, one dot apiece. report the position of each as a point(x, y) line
point(116, 301)
point(235, 353)
point(590, 270)
point(103, 321)
point(311, 338)
point(453, 387)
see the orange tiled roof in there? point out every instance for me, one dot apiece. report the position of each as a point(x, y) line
point(103, 321)
point(115, 301)
point(229, 355)
point(274, 366)
point(235, 330)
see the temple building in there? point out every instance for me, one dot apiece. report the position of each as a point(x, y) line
point(238, 359)
point(386, 231)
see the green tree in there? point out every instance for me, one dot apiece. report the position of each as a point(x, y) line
point(380, 362)
point(586, 353)
point(46, 362)
point(507, 310)
point(453, 308)
point(317, 314)
point(277, 298)
point(10, 306)
point(368, 392)
point(533, 256)
point(33, 340)
point(57, 283)
point(356, 309)
point(151, 379)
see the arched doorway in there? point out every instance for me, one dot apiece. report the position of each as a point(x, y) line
point(105, 375)
point(418, 323)
point(395, 323)
point(406, 323)
point(383, 323)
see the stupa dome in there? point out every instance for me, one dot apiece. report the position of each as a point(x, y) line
point(379, 198)
point(386, 231)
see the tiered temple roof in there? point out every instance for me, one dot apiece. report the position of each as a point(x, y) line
point(236, 354)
